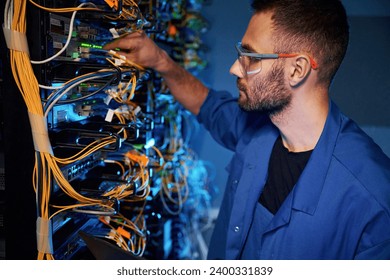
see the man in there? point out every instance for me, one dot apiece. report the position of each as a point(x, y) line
point(305, 182)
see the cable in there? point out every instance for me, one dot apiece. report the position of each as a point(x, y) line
point(46, 167)
point(69, 35)
point(65, 10)
point(57, 95)
point(169, 168)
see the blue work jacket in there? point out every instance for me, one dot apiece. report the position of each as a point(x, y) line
point(338, 209)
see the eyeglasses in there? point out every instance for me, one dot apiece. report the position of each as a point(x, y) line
point(250, 62)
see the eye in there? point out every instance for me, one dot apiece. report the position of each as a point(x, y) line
point(254, 59)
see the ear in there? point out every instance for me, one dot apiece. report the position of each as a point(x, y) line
point(300, 68)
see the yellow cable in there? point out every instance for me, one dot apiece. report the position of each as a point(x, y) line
point(64, 10)
point(46, 170)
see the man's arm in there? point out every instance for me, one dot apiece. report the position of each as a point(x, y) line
point(139, 48)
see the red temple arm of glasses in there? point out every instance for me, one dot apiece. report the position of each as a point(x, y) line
point(313, 63)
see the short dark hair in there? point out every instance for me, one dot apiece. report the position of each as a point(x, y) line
point(318, 27)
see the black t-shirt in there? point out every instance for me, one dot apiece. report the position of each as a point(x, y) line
point(283, 172)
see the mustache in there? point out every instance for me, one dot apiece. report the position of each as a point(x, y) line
point(240, 84)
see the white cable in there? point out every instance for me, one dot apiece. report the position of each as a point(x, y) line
point(8, 13)
point(69, 36)
point(66, 91)
point(49, 87)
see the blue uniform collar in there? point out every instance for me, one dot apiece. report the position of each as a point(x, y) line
point(307, 191)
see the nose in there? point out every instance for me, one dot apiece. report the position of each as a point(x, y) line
point(235, 69)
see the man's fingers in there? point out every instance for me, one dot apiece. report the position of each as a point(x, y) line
point(122, 44)
point(126, 42)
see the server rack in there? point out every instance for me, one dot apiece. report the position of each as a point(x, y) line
point(110, 145)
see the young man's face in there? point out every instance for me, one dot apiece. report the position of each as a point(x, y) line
point(263, 90)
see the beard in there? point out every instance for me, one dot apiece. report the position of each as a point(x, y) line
point(268, 94)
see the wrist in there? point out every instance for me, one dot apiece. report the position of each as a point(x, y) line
point(164, 63)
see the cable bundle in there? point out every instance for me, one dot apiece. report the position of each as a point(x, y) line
point(117, 204)
point(47, 166)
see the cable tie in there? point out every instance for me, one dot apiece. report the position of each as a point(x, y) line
point(118, 62)
point(44, 234)
point(16, 40)
point(137, 110)
point(114, 33)
point(109, 116)
point(40, 134)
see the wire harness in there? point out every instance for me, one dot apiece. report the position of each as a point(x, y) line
point(115, 113)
